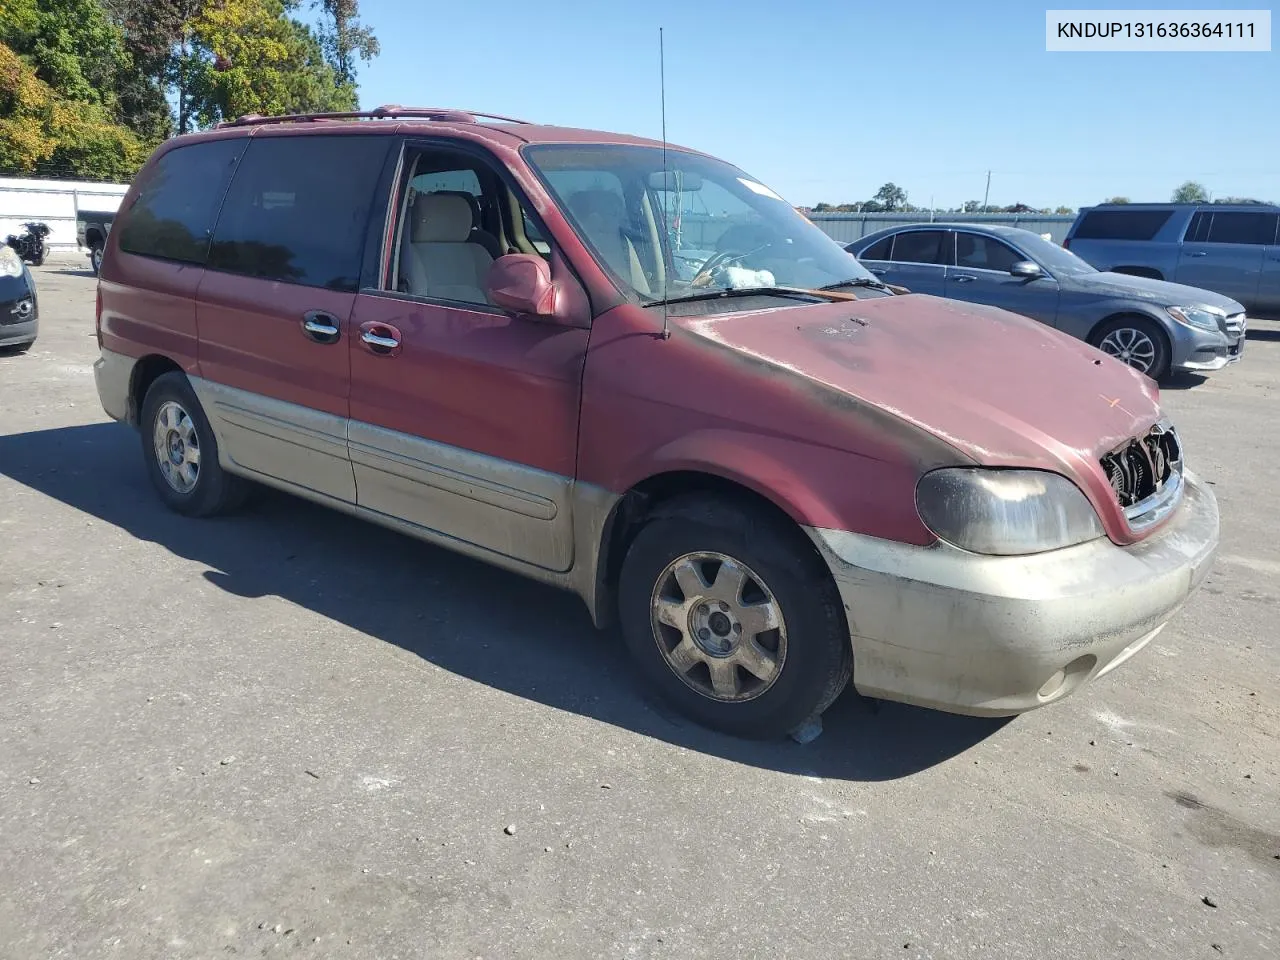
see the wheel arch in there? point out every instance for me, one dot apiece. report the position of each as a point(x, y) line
point(145, 372)
point(1135, 270)
point(1128, 312)
point(647, 497)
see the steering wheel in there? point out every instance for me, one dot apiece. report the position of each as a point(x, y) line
point(710, 266)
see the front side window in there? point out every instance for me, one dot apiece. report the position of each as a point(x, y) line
point(878, 250)
point(978, 252)
point(298, 210)
point(456, 216)
point(176, 203)
point(921, 246)
point(692, 224)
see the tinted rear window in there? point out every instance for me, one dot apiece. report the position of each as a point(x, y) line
point(1250, 228)
point(1122, 224)
point(178, 200)
point(298, 209)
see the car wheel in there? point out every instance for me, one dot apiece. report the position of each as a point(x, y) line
point(181, 451)
point(1136, 341)
point(95, 258)
point(733, 618)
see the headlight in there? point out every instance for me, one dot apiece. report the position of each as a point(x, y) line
point(10, 262)
point(1206, 318)
point(1005, 512)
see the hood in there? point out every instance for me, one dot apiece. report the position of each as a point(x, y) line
point(1000, 389)
point(1161, 293)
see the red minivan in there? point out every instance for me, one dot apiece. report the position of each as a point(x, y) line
point(635, 372)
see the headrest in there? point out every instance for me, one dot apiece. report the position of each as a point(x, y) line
point(441, 218)
point(602, 204)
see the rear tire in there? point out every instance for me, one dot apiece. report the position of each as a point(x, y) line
point(1137, 341)
point(95, 258)
point(733, 618)
point(181, 452)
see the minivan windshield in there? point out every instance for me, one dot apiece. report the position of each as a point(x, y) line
point(689, 226)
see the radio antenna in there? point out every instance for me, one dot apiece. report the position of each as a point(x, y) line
point(662, 92)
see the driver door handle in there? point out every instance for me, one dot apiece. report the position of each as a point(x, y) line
point(963, 278)
point(321, 327)
point(1200, 253)
point(879, 271)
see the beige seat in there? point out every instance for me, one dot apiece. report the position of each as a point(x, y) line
point(603, 217)
point(441, 260)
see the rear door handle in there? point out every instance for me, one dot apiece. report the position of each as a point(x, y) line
point(321, 327)
point(879, 271)
point(963, 278)
point(380, 338)
point(1200, 253)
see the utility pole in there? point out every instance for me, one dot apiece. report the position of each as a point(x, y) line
point(986, 195)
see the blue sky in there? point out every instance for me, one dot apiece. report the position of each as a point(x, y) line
point(826, 101)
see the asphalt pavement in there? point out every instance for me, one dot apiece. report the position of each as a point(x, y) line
point(288, 730)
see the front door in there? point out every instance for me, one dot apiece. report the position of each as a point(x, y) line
point(464, 420)
point(981, 275)
point(1223, 252)
point(1269, 282)
point(274, 306)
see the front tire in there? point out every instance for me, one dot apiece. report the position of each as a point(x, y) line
point(181, 452)
point(733, 618)
point(1137, 341)
point(95, 258)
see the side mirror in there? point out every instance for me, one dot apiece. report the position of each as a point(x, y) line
point(1026, 269)
point(521, 284)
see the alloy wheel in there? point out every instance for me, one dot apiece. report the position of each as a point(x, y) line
point(177, 447)
point(718, 626)
point(1132, 346)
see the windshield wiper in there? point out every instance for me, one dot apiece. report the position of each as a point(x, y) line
point(858, 282)
point(727, 292)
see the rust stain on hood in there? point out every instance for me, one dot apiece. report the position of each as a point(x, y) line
point(1000, 388)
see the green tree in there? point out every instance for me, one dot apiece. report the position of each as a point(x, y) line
point(1063, 210)
point(60, 73)
point(1118, 200)
point(249, 56)
point(1190, 192)
point(890, 197)
point(343, 38)
point(38, 126)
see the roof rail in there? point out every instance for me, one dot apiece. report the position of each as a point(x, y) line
point(385, 112)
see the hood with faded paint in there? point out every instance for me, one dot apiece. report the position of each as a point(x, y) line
point(1160, 293)
point(999, 388)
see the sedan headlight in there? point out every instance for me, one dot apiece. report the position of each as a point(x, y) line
point(1206, 318)
point(10, 262)
point(1005, 512)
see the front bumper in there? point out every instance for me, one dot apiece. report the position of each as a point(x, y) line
point(941, 627)
point(1203, 351)
point(19, 314)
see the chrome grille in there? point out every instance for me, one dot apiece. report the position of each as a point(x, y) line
point(1234, 325)
point(1144, 468)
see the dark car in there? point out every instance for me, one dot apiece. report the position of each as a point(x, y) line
point(1231, 249)
point(1154, 326)
point(92, 227)
point(18, 306)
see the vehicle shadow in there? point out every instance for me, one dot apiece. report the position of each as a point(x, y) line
point(1182, 381)
point(1268, 334)
point(476, 621)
